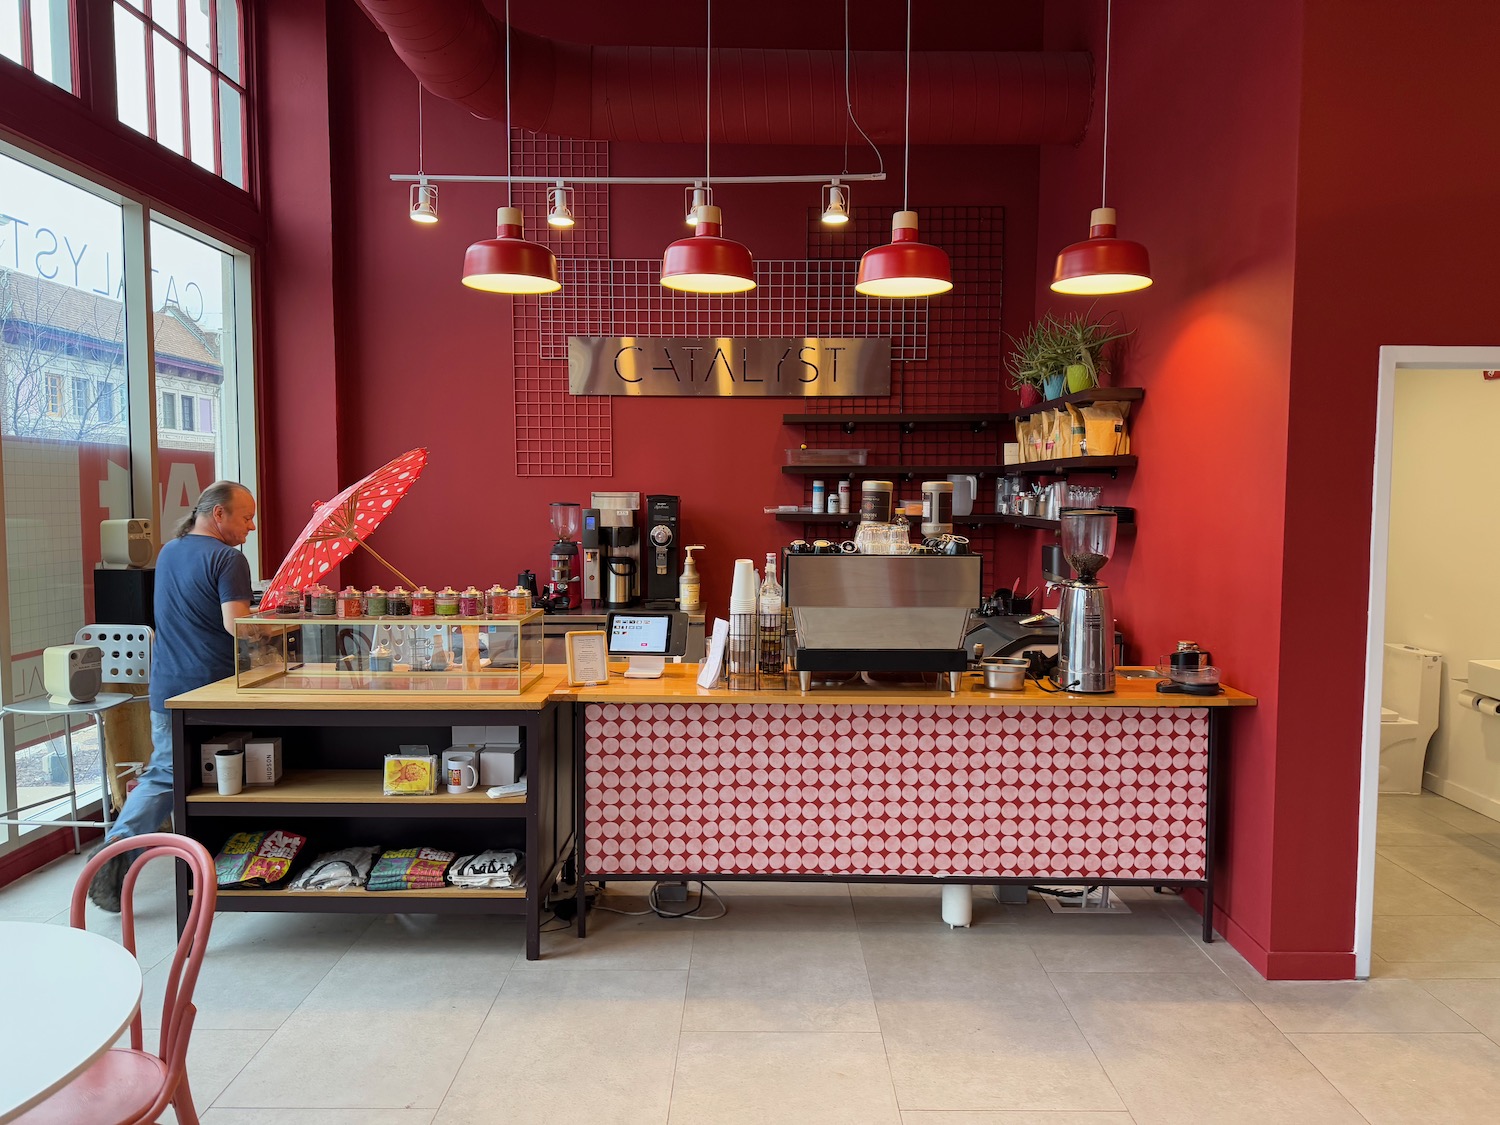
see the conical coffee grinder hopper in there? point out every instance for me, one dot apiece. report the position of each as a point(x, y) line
point(1086, 630)
point(565, 583)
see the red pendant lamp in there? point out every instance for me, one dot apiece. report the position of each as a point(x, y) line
point(1102, 263)
point(707, 262)
point(905, 267)
point(508, 263)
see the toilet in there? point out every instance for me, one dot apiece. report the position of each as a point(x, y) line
point(1409, 697)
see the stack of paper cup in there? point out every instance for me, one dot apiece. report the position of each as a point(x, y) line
point(744, 588)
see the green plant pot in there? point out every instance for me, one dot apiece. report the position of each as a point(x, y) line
point(1079, 378)
point(1052, 386)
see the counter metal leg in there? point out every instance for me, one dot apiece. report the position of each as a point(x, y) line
point(72, 785)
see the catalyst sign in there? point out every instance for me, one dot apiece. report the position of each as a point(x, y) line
point(727, 367)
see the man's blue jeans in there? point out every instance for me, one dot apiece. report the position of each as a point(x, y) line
point(150, 802)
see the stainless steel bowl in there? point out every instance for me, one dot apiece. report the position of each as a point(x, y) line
point(1003, 673)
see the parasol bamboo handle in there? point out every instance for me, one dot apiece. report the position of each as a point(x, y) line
point(387, 565)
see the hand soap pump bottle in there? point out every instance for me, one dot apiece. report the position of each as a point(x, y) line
point(689, 591)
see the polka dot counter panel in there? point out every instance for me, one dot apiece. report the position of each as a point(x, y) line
point(843, 789)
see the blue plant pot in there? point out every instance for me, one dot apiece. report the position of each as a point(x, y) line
point(1052, 386)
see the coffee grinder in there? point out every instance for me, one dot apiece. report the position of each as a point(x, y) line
point(1086, 631)
point(663, 553)
point(565, 584)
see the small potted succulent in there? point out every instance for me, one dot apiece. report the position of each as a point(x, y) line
point(1085, 339)
point(1038, 361)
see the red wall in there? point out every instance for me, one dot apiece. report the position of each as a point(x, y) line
point(1203, 165)
point(423, 361)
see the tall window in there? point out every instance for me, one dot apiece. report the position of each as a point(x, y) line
point(72, 373)
point(180, 78)
point(38, 34)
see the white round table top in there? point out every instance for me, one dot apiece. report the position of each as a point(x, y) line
point(68, 996)
point(43, 705)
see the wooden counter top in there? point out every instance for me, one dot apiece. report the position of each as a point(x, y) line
point(223, 695)
point(679, 685)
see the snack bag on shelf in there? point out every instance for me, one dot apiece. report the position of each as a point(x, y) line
point(1105, 429)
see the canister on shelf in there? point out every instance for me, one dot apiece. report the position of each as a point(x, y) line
point(423, 603)
point(470, 603)
point(818, 504)
point(351, 603)
point(937, 507)
point(518, 601)
point(375, 603)
point(398, 602)
point(446, 602)
point(843, 497)
point(875, 501)
point(496, 601)
point(323, 602)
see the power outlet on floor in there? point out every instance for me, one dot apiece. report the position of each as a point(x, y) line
point(671, 892)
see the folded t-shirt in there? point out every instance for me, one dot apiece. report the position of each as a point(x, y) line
point(489, 869)
point(410, 869)
point(347, 869)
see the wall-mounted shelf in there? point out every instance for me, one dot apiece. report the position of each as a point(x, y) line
point(1068, 466)
point(908, 423)
point(899, 472)
point(1082, 398)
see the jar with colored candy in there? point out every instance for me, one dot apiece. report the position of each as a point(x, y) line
point(496, 601)
point(398, 602)
point(375, 604)
point(351, 603)
point(423, 603)
point(323, 602)
point(446, 602)
point(470, 603)
point(518, 600)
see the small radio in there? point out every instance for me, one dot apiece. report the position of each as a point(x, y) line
point(125, 543)
point(72, 673)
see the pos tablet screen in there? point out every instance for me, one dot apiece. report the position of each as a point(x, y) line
point(647, 638)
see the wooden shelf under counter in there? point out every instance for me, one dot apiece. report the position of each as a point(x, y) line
point(430, 892)
point(305, 790)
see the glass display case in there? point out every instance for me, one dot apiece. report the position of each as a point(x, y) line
point(446, 654)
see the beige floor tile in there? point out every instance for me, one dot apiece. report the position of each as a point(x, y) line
point(43, 894)
point(1121, 953)
point(1468, 938)
point(616, 941)
point(915, 907)
point(572, 1046)
point(359, 1055)
point(1434, 970)
point(1350, 1006)
point(812, 1079)
point(773, 912)
point(740, 981)
point(318, 1117)
point(1451, 812)
point(1192, 1048)
point(1477, 1001)
point(1398, 891)
point(943, 963)
point(1468, 872)
point(258, 968)
point(215, 1058)
point(1421, 1079)
point(1010, 1045)
point(1147, 916)
point(1015, 1117)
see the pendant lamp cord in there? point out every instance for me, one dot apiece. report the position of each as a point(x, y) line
point(708, 96)
point(419, 127)
point(906, 129)
point(1104, 173)
point(849, 101)
point(507, 103)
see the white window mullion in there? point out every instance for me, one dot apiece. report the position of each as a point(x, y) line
point(140, 347)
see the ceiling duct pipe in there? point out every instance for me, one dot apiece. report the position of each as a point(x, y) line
point(655, 94)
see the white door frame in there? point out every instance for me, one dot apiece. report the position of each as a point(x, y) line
point(1391, 360)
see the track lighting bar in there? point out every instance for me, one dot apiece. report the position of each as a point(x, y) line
point(848, 177)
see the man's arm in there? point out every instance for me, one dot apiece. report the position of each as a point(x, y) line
point(233, 610)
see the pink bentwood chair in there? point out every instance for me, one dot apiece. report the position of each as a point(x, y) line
point(134, 1086)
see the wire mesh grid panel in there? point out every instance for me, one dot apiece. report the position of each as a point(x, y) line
point(558, 434)
point(625, 297)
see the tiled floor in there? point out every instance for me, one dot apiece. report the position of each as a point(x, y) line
point(824, 1003)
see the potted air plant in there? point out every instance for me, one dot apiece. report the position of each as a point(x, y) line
point(1038, 361)
point(1085, 338)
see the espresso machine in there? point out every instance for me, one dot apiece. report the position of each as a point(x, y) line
point(663, 553)
point(565, 582)
point(1086, 629)
point(619, 546)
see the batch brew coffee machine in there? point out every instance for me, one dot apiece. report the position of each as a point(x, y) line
point(619, 547)
point(624, 563)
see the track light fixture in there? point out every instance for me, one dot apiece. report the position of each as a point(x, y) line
point(423, 207)
point(695, 197)
point(835, 203)
point(560, 206)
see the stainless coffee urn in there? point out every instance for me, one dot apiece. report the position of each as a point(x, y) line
point(620, 547)
point(1086, 629)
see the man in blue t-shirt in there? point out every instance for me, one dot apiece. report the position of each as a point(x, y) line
point(202, 585)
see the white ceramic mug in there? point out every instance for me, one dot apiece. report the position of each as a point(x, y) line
point(461, 769)
point(229, 768)
point(965, 485)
